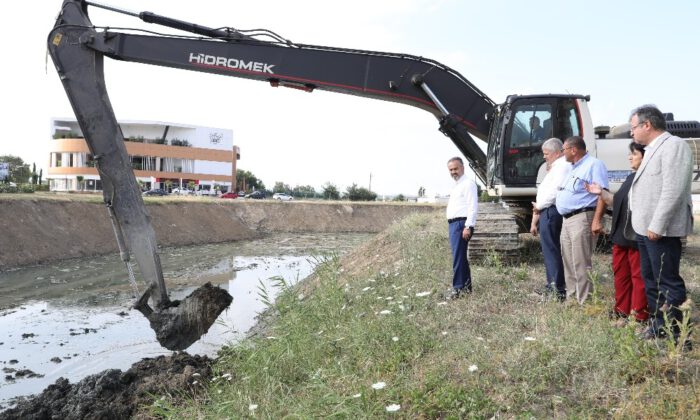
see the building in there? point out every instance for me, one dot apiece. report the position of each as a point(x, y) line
point(163, 155)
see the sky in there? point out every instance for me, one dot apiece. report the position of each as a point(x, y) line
point(622, 53)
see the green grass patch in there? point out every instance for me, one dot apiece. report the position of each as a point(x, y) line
point(371, 335)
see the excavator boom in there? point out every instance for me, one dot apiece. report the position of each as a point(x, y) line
point(78, 49)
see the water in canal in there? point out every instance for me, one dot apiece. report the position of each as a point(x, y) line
point(73, 318)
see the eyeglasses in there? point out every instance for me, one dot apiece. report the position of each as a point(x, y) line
point(634, 127)
point(574, 184)
point(567, 148)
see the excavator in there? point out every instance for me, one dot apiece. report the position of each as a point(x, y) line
point(513, 130)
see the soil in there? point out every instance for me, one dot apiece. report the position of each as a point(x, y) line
point(41, 228)
point(113, 394)
point(185, 321)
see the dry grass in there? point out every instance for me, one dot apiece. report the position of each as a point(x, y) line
point(379, 316)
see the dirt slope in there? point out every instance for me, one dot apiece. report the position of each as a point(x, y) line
point(37, 230)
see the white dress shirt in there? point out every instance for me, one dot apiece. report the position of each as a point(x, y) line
point(463, 201)
point(553, 180)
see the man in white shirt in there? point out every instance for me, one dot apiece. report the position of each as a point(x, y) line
point(547, 221)
point(461, 219)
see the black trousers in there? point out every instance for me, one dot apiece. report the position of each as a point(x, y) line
point(660, 261)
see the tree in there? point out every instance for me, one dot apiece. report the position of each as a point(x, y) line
point(191, 185)
point(168, 184)
point(41, 173)
point(247, 181)
point(330, 191)
point(34, 175)
point(281, 187)
point(304, 191)
point(399, 197)
point(80, 179)
point(19, 171)
point(355, 193)
point(421, 192)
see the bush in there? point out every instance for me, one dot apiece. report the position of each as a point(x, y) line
point(355, 193)
point(178, 142)
point(21, 188)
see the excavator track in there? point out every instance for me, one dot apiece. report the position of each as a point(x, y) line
point(497, 232)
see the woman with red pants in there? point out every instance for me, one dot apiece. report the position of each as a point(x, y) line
point(630, 297)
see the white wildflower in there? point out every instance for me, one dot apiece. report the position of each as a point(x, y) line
point(421, 294)
point(389, 298)
point(226, 375)
point(366, 289)
point(480, 338)
point(394, 338)
point(442, 303)
point(402, 307)
point(195, 382)
point(218, 391)
point(357, 395)
point(385, 312)
point(252, 407)
point(301, 296)
point(473, 368)
point(530, 338)
point(379, 385)
point(196, 374)
point(393, 408)
point(271, 337)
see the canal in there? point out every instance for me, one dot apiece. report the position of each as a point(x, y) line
point(74, 318)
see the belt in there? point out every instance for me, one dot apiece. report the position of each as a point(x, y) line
point(456, 219)
point(577, 211)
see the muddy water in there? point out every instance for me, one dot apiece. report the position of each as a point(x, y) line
point(73, 319)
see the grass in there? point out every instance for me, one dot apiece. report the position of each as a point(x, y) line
point(378, 315)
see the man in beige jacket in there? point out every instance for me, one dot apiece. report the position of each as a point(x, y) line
point(661, 206)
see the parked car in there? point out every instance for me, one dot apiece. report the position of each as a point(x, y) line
point(256, 194)
point(282, 197)
point(157, 191)
point(183, 191)
point(229, 195)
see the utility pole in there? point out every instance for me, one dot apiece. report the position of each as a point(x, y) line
point(370, 181)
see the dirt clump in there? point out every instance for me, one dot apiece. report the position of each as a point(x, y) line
point(113, 394)
point(183, 323)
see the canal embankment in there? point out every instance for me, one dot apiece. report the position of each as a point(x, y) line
point(37, 229)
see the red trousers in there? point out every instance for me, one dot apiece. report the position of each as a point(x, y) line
point(629, 284)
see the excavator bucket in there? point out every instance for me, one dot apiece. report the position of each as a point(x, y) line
point(184, 322)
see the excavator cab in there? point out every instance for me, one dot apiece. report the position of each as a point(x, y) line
point(522, 124)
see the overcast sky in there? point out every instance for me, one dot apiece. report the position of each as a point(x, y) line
point(622, 53)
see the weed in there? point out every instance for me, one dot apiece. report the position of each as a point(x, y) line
point(376, 316)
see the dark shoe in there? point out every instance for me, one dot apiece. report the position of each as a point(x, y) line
point(647, 334)
point(457, 293)
point(546, 290)
point(687, 346)
point(650, 334)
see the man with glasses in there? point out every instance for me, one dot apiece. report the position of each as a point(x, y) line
point(661, 206)
point(577, 207)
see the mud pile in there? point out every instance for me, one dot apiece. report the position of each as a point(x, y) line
point(113, 394)
point(180, 325)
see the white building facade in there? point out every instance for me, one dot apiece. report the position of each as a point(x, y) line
point(163, 155)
